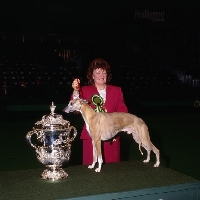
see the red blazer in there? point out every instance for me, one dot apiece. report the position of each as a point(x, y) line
point(114, 101)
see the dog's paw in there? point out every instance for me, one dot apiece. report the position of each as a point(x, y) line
point(90, 166)
point(98, 169)
point(156, 164)
point(146, 161)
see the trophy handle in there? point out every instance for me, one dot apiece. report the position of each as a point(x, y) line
point(29, 135)
point(74, 133)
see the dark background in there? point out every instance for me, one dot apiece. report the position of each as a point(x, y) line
point(112, 11)
point(164, 47)
point(151, 58)
point(171, 39)
point(93, 17)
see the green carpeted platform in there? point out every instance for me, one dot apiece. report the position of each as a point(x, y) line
point(114, 177)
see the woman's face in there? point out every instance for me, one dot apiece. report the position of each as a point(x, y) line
point(99, 76)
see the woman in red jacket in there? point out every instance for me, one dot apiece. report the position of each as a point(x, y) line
point(99, 76)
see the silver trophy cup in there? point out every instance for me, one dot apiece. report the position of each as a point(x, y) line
point(51, 138)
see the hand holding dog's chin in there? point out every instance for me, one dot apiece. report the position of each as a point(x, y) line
point(76, 84)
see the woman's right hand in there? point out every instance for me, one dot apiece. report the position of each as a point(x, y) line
point(76, 84)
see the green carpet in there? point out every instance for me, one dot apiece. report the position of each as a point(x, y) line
point(81, 181)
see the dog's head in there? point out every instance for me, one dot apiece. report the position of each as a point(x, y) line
point(74, 105)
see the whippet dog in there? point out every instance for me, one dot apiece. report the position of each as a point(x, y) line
point(104, 126)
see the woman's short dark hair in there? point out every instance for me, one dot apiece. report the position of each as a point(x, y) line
point(96, 64)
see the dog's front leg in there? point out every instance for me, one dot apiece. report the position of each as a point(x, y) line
point(94, 156)
point(99, 155)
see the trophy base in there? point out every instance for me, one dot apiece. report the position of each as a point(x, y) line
point(54, 172)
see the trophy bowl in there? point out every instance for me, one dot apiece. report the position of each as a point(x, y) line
point(51, 138)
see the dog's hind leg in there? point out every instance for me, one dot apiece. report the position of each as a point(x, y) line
point(157, 152)
point(148, 148)
point(147, 144)
point(148, 156)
